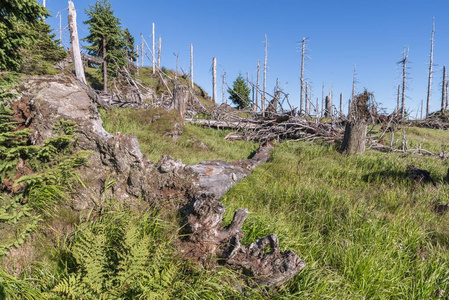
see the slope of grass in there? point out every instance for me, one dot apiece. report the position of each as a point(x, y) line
point(153, 129)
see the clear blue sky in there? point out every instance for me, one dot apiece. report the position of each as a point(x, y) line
point(369, 34)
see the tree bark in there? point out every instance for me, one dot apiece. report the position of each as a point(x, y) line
point(79, 70)
point(444, 92)
point(301, 98)
point(429, 84)
point(105, 67)
point(180, 98)
point(153, 54)
point(257, 84)
point(214, 80)
point(191, 65)
point(264, 76)
point(355, 138)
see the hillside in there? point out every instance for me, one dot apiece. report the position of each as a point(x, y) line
point(363, 227)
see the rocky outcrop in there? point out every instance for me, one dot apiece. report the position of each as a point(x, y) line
point(193, 189)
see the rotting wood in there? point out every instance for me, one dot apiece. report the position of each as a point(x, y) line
point(79, 70)
point(180, 98)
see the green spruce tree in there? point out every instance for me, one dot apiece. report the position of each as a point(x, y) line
point(13, 15)
point(106, 38)
point(239, 93)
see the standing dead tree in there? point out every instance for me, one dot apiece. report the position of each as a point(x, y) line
point(301, 98)
point(429, 84)
point(214, 80)
point(341, 105)
point(444, 91)
point(265, 76)
point(77, 61)
point(191, 65)
point(257, 86)
point(354, 139)
point(404, 79)
point(153, 56)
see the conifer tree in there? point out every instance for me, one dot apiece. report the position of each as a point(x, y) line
point(106, 38)
point(14, 13)
point(239, 93)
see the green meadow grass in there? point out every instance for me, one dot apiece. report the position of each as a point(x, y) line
point(365, 230)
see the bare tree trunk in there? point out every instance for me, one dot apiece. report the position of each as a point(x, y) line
point(429, 85)
point(301, 99)
point(142, 53)
point(60, 29)
point(180, 98)
point(257, 84)
point(349, 107)
point(327, 107)
point(214, 79)
point(353, 85)
point(355, 131)
point(223, 88)
point(159, 53)
point(79, 70)
point(153, 52)
point(306, 108)
point(105, 67)
point(323, 105)
point(443, 96)
point(191, 65)
point(341, 105)
point(264, 76)
point(43, 3)
point(404, 82)
point(137, 58)
point(398, 105)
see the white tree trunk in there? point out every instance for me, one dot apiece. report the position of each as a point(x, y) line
point(79, 69)
point(214, 79)
point(444, 92)
point(301, 98)
point(191, 65)
point(223, 89)
point(257, 85)
point(429, 84)
point(264, 76)
point(153, 52)
point(159, 53)
point(404, 82)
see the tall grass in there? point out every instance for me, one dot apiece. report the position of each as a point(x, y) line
point(153, 129)
point(364, 229)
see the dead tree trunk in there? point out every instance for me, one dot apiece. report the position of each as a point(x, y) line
point(398, 105)
point(301, 99)
point(341, 105)
point(105, 67)
point(153, 54)
point(404, 81)
point(264, 76)
point(429, 84)
point(214, 79)
point(137, 60)
point(79, 70)
point(180, 98)
point(306, 95)
point(323, 105)
point(141, 54)
point(159, 53)
point(355, 132)
point(327, 107)
point(257, 84)
point(444, 88)
point(223, 88)
point(191, 65)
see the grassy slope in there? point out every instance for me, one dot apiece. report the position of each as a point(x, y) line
point(363, 228)
point(194, 145)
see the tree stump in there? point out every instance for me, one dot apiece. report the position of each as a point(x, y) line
point(180, 98)
point(355, 131)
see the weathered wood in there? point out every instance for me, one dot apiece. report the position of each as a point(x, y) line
point(257, 85)
point(404, 81)
point(444, 91)
point(105, 67)
point(79, 70)
point(180, 98)
point(153, 54)
point(429, 83)
point(301, 98)
point(159, 52)
point(354, 139)
point(208, 242)
point(214, 80)
point(264, 76)
point(191, 66)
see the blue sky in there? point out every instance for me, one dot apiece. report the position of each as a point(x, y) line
point(341, 34)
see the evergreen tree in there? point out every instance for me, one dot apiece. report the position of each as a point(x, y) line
point(106, 38)
point(43, 52)
point(129, 46)
point(13, 14)
point(239, 93)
